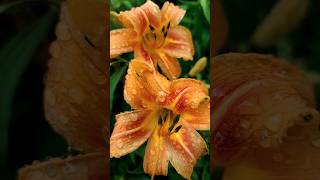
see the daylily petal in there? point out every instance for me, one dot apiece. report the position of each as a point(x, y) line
point(185, 148)
point(140, 52)
point(156, 156)
point(171, 13)
point(152, 11)
point(134, 93)
point(179, 43)
point(185, 93)
point(135, 18)
point(89, 17)
point(131, 130)
point(297, 157)
point(82, 167)
point(144, 86)
point(122, 41)
point(197, 118)
point(75, 92)
point(169, 65)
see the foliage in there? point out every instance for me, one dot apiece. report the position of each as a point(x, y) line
point(131, 165)
point(19, 41)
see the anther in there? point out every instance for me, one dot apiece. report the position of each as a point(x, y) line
point(151, 28)
point(165, 34)
point(162, 30)
point(168, 25)
point(177, 128)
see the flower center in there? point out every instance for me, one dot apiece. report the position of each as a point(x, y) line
point(155, 38)
point(168, 121)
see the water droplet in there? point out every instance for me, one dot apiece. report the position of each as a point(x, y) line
point(245, 124)
point(62, 32)
point(280, 73)
point(36, 175)
point(69, 168)
point(119, 145)
point(55, 49)
point(51, 172)
point(278, 157)
point(316, 143)
point(265, 143)
point(161, 96)
point(35, 162)
point(307, 163)
point(277, 97)
point(265, 140)
point(273, 123)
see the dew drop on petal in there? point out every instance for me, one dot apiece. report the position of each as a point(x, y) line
point(316, 143)
point(161, 96)
point(119, 145)
point(245, 124)
point(68, 169)
point(51, 172)
point(277, 157)
point(37, 175)
point(134, 92)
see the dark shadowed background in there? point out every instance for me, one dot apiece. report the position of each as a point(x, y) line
point(27, 28)
point(300, 46)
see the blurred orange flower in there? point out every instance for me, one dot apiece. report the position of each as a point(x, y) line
point(75, 93)
point(155, 35)
point(168, 113)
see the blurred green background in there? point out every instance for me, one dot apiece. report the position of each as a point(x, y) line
point(27, 29)
point(300, 46)
point(197, 20)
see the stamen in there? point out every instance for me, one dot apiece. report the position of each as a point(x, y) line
point(163, 114)
point(177, 128)
point(174, 123)
point(168, 26)
point(165, 34)
point(151, 28)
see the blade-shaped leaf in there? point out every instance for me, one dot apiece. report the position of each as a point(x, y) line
point(8, 5)
point(14, 58)
point(205, 5)
point(5, 6)
point(114, 80)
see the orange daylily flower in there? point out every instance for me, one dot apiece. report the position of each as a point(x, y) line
point(157, 104)
point(154, 33)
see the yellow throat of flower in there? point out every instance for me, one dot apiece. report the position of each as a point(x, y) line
point(155, 38)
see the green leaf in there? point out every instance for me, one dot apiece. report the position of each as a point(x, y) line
point(205, 172)
point(5, 6)
point(8, 5)
point(115, 78)
point(205, 5)
point(188, 3)
point(138, 170)
point(115, 4)
point(14, 58)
